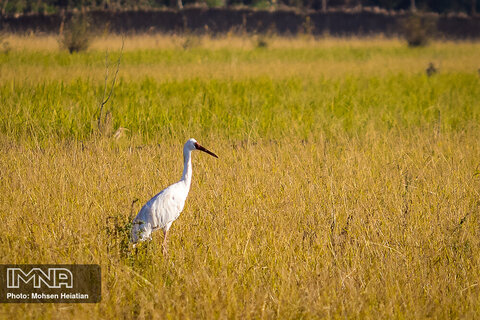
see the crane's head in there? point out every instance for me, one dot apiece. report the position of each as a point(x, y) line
point(192, 144)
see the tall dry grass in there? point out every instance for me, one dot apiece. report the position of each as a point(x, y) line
point(331, 198)
point(377, 226)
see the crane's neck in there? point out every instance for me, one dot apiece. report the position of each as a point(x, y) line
point(187, 167)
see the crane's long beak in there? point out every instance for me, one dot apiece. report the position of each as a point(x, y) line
point(199, 147)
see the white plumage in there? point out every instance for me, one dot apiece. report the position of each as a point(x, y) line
point(165, 207)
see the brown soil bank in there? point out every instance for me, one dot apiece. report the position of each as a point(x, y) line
point(217, 20)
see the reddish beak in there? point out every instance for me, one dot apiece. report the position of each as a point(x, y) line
point(199, 147)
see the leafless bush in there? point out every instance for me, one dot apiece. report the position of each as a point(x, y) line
point(418, 29)
point(77, 35)
point(261, 41)
point(4, 44)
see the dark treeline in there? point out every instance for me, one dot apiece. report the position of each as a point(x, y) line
point(13, 7)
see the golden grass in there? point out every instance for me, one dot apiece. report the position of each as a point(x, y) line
point(374, 227)
point(332, 58)
point(230, 41)
point(374, 222)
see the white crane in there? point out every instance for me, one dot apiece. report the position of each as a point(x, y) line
point(164, 208)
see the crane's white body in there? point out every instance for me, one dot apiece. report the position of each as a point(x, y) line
point(165, 207)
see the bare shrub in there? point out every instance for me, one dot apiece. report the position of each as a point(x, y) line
point(4, 44)
point(77, 35)
point(418, 29)
point(261, 41)
point(190, 41)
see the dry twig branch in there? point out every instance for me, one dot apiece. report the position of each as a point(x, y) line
point(103, 100)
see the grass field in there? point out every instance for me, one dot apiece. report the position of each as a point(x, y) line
point(347, 184)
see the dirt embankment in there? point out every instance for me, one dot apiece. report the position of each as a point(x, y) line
point(222, 20)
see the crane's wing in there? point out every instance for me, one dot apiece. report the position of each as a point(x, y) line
point(158, 212)
point(166, 206)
